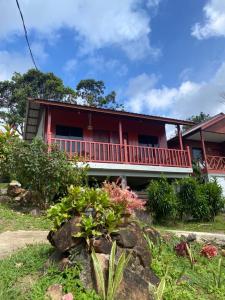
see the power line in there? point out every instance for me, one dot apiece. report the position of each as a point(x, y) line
point(26, 35)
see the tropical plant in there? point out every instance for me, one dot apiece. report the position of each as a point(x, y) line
point(162, 199)
point(94, 206)
point(217, 275)
point(115, 273)
point(158, 291)
point(123, 197)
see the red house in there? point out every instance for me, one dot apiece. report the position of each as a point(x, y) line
point(113, 143)
point(207, 145)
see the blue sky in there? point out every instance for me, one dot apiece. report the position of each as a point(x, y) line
point(163, 57)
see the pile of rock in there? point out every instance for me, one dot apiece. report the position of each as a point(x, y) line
point(129, 237)
point(18, 196)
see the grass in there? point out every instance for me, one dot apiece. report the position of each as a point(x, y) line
point(3, 185)
point(183, 281)
point(11, 219)
point(24, 277)
point(217, 226)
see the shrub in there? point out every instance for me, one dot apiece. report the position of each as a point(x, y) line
point(192, 200)
point(202, 201)
point(215, 199)
point(94, 205)
point(47, 172)
point(162, 199)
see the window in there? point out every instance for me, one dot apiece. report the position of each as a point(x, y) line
point(197, 154)
point(148, 140)
point(67, 132)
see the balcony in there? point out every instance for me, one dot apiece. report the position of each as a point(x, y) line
point(99, 152)
point(216, 164)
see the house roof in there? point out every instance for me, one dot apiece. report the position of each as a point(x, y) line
point(204, 125)
point(111, 111)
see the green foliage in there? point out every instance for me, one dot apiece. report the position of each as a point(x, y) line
point(162, 199)
point(35, 84)
point(22, 276)
point(115, 274)
point(94, 206)
point(47, 172)
point(201, 201)
point(197, 119)
point(92, 92)
point(214, 196)
point(183, 281)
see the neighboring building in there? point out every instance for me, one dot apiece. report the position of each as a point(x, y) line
point(114, 143)
point(207, 144)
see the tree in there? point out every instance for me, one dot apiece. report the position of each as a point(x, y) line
point(35, 84)
point(197, 119)
point(93, 94)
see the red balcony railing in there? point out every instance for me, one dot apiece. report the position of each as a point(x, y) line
point(125, 154)
point(216, 163)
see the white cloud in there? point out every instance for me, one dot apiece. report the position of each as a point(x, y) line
point(11, 62)
point(70, 65)
point(214, 23)
point(96, 23)
point(180, 102)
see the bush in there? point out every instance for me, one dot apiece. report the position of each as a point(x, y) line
point(47, 172)
point(201, 201)
point(162, 199)
point(215, 199)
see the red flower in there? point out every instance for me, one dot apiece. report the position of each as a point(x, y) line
point(209, 251)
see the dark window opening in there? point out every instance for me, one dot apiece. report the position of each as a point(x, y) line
point(197, 154)
point(67, 132)
point(148, 140)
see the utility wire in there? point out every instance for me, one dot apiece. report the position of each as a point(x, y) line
point(26, 35)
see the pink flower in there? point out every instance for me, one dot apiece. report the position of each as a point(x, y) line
point(68, 296)
point(209, 251)
point(125, 197)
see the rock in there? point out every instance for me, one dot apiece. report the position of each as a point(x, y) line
point(191, 238)
point(54, 292)
point(63, 239)
point(3, 192)
point(101, 245)
point(35, 212)
point(125, 238)
point(5, 199)
point(68, 296)
point(14, 189)
point(152, 233)
point(133, 287)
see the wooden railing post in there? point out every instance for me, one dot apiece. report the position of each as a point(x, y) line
point(189, 157)
point(49, 136)
point(125, 151)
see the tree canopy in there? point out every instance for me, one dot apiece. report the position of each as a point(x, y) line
point(92, 93)
point(36, 84)
point(197, 119)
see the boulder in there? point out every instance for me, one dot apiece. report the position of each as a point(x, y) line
point(101, 245)
point(64, 238)
point(14, 189)
point(152, 233)
point(3, 192)
point(125, 237)
point(35, 212)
